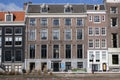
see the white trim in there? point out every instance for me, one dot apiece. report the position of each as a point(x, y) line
point(53, 32)
point(12, 24)
point(55, 25)
point(56, 15)
point(65, 35)
point(95, 12)
point(10, 15)
point(113, 1)
point(41, 36)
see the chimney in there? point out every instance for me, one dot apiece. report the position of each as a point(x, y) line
point(25, 5)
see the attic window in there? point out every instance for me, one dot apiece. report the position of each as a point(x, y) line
point(96, 7)
point(44, 8)
point(9, 17)
point(68, 8)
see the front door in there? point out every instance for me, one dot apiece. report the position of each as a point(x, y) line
point(56, 66)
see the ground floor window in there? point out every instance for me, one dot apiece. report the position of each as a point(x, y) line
point(8, 68)
point(18, 68)
point(79, 64)
point(115, 59)
point(68, 65)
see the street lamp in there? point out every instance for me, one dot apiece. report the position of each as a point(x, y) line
point(92, 63)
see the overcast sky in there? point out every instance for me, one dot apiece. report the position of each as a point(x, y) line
point(11, 5)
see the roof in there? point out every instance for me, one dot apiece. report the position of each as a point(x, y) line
point(59, 8)
point(56, 8)
point(17, 15)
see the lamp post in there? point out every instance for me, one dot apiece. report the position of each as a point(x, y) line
point(92, 63)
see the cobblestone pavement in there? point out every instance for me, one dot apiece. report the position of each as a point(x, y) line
point(64, 77)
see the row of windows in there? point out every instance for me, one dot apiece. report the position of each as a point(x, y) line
point(97, 43)
point(8, 55)
point(9, 31)
point(97, 19)
point(56, 51)
point(55, 34)
point(9, 41)
point(56, 22)
point(96, 31)
point(96, 56)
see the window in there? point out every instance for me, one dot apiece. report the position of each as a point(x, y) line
point(96, 18)
point(68, 8)
point(18, 41)
point(32, 21)
point(90, 31)
point(68, 65)
point(0, 41)
point(68, 21)
point(18, 68)
point(0, 31)
point(79, 51)
point(114, 40)
point(79, 64)
point(90, 18)
point(68, 34)
point(44, 22)
point(8, 31)
point(79, 34)
point(32, 51)
point(44, 34)
point(103, 45)
point(56, 34)
point(97, 54)
point(104, 55)
point(8, 68)
point(97, 43)
point(55, 51)
point(91, 43)
point(115, 59)
point(114, 22)
point(8, 41)
point(90, 56)
point(56, 22)
point(103, 31)
point(9, 17)
point(18, 55)
point(68, 51)
point(32, 35)
point(44, 9)
point(43, 51)
point(8, 55)
point(103, 18)
point(80, 22)
point(18, 31)
point(113, 10)
point(97, 31)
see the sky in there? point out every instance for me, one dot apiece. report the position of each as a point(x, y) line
point(13, 5)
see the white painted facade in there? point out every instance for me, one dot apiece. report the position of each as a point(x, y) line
point(103, 58)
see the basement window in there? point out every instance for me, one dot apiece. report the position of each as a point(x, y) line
point(115, 59)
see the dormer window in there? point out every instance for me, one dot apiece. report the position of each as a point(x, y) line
point(96, 7)
point(68, 8)
point(9, 17)
point(44, 8)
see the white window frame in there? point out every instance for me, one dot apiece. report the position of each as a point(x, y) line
point(98, 31)
point(65, 51)
point(46, 22)
point(116, 22)
point(32, 30)
point(80, 19)
point(46, 31)
point(31, 24)
point(18, 38)
point(65, 34)
point(58, 31)
point(104, 43)
point(53, 22)
point(97, 43)
point(90, 18)
point(102, 31)
point(77, 33)
point(10, 15)
point(99, 19)
point(92, 43)
point(53, 51)
point(70, 21)
point(92, 31)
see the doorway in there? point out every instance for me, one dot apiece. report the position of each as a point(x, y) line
point(32, 66)
point(55, 66)
point(44, 66)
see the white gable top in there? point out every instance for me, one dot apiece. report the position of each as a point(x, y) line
point(113, 1)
